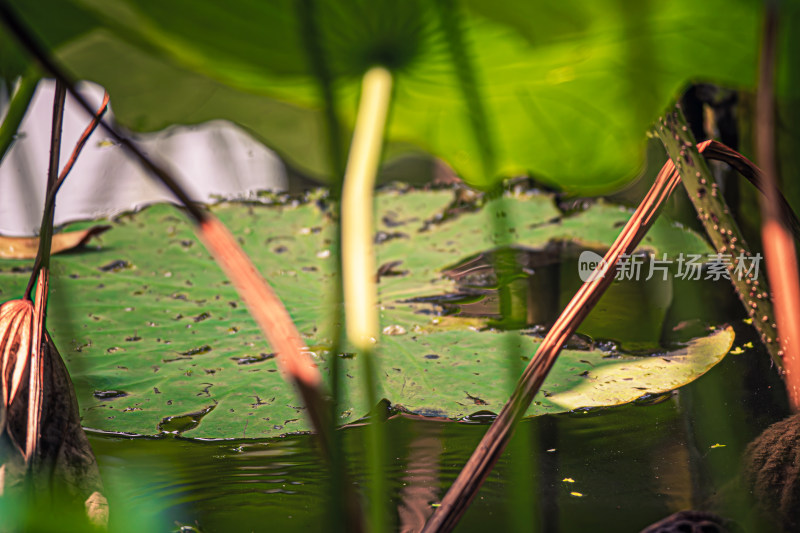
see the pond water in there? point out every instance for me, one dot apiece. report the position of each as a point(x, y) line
point(613, 469)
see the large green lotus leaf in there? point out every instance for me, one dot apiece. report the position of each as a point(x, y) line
point(567, 88)
point(150, 328)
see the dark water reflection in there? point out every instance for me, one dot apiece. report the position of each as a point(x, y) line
point(666, 308)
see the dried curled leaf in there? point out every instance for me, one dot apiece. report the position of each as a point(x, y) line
point(26, 247)
point(62, 461)
point(16, 327)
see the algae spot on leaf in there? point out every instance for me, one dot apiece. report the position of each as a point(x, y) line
point(202, 316)
point(475, 399)
point(115, 266)
point(197, 351)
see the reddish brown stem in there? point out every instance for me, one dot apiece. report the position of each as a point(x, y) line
point(779, 249)
point(81, 143)
point(35, 383)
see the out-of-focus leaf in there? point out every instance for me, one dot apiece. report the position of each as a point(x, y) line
point(160, 344)
point(26, 247)
point(72, 21)
point(568, 87)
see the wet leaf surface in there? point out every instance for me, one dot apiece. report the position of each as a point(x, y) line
point(168, 330)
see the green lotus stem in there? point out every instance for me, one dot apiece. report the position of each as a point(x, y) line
point(720, 226)
point(358, 257)
point(16, 109)
point(358, 262)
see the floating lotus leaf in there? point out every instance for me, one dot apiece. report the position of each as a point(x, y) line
point(156, 340)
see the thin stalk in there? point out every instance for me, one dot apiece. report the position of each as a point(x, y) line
point(520, 490)
point(73, 158)
point(16, 110)
point(778, 243)
point(358, 262)
point(376, 449)
point(50, 197)
point(46, 231)
point(344, 511)
point(35, 384)
point(720, 226)
point(483, 459)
